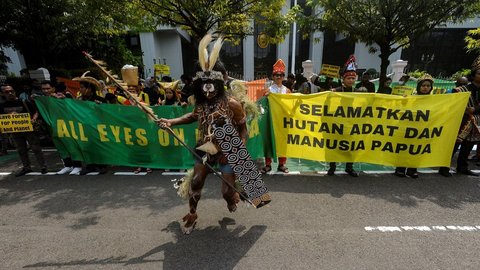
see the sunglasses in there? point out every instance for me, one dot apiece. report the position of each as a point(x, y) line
point(278, 75)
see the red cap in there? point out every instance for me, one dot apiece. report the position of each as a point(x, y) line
point(279, 67)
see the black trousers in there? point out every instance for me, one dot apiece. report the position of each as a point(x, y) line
point(462, 160)
point(348, 166)
point(21, 139)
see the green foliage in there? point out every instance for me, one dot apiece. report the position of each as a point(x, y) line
point(231, 18)
point(473, 37)
point(473, 40)
point(391, 24)
point(461, 73)
point(52, 33)
point(417, 73)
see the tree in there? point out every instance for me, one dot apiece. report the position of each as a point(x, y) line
point(473, 37)
point(232, 18)
point(52, 33)
point(391, 24)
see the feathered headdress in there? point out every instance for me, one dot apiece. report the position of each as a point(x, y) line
point(207, 62)
point(350, 67)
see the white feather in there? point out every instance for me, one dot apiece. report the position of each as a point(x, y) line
point(215, 52)
point(203, 52)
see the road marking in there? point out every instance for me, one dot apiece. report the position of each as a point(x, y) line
point(282, 173)
point(379, 172)
point(5, 173)
point(39, 173)
point(422, 228)
point(129, 173)
point(174, 173)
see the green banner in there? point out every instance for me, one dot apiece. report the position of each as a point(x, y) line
point(122, 135)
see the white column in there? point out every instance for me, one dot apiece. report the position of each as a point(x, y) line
point(147, 43)
point(307, 66)
point(284, 47)
point(248, 58)
point(294, 43)
point(398, 68)
point(316, 51)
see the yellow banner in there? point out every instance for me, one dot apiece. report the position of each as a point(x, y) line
point(402, 90)
point(15, 122)
point(330, 71)
point(412, 131)
point(162, 69)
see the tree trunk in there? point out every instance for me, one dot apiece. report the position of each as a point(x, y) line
point(385, 53)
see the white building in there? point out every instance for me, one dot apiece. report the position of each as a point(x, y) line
point(439, 52)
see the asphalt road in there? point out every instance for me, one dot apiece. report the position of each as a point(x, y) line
point(314, 222)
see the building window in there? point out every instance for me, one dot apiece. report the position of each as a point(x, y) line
point(265, 57)
point(440, 52)
point(134, 41)
point(232, 57)
point(302, 46)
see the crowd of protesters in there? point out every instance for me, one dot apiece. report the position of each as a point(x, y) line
point(166, 92)
point(151, 92)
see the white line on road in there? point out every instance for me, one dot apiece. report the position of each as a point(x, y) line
point(422, 228)
point(130, 173)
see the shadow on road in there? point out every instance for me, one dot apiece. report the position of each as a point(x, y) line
point(215, 247)
point(450, 192)
point(55, 196)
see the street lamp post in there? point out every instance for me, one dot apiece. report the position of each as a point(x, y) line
point(427, 58)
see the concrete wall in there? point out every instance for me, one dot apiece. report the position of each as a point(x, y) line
point(366, 60)
point(166, 48)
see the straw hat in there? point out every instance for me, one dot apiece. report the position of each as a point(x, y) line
point(88, 79)
point(426, 77)
point(169, 85)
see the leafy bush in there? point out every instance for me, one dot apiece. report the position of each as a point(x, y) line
point(461, 73)
point(417, 73)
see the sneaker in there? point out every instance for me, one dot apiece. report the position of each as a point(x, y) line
point(23, 172)
point(65, 170)
point(75, 171)
point(44, 171)
point(86, 171)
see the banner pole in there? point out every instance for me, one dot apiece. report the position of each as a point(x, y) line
point(155, 118)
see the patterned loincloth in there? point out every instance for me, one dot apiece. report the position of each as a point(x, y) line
point(242, 164)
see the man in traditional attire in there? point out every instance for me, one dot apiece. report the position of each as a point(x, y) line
point(213, 109)
point(469, 133)
point(277, 87)
point(349, 77)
